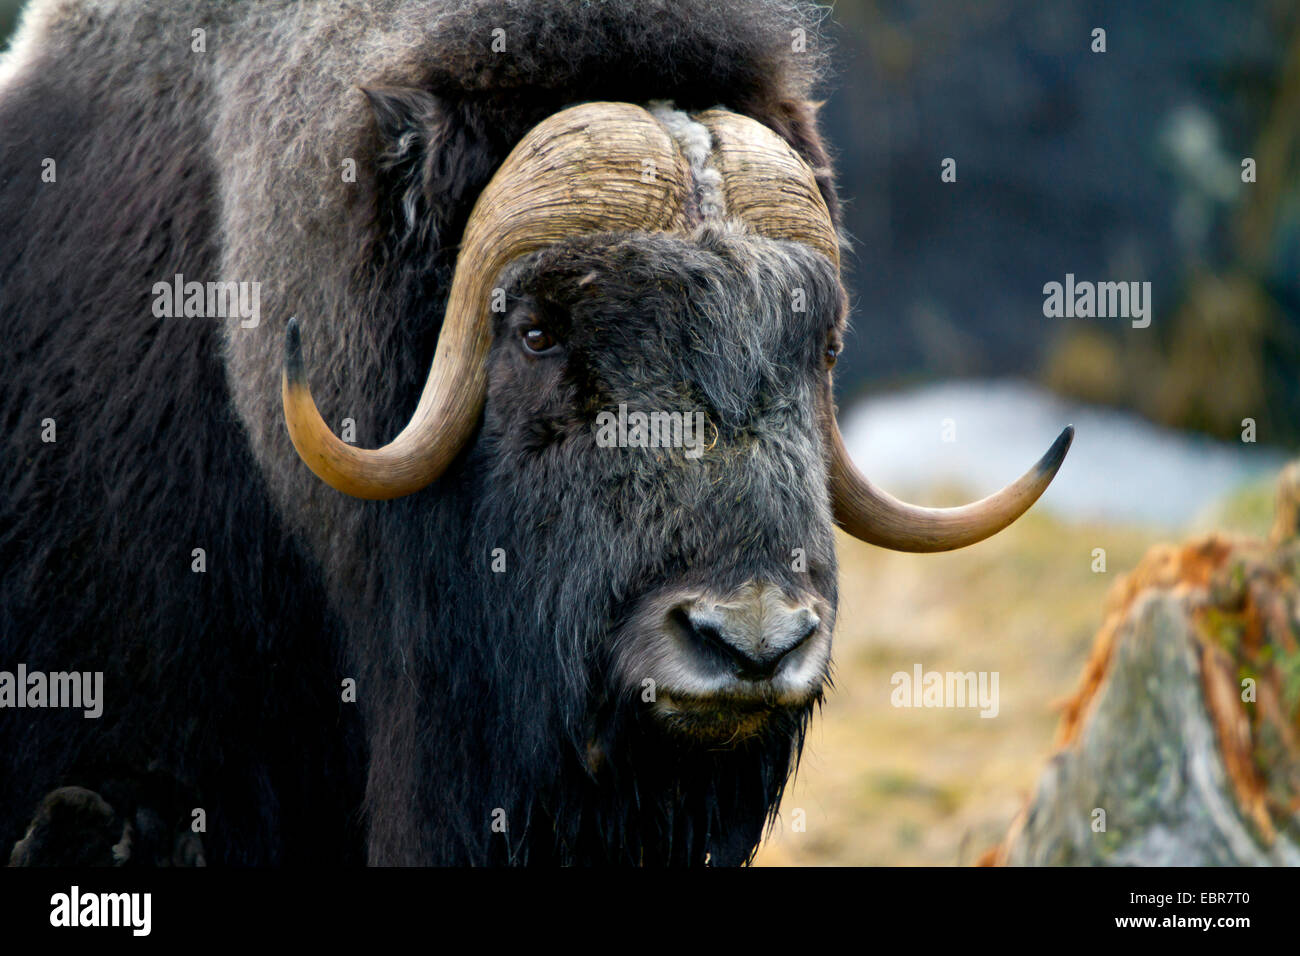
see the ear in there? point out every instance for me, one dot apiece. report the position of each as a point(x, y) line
point(401, 111)
point(434, 157)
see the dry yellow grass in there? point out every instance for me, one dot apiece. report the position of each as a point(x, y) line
point(882, 785)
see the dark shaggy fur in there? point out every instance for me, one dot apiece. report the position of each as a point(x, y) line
point(477, 691)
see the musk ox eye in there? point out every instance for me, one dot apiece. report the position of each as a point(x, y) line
point(537, 339)
point(833, 349)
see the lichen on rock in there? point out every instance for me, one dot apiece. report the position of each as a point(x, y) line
point(1181, 745)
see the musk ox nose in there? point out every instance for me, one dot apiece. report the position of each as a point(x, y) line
point(751, 631)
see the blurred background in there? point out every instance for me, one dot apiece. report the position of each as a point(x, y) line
point(1117, 166)
point(1123, 165)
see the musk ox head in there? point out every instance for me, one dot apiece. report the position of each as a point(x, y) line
point(671, 281)
point(587, 592)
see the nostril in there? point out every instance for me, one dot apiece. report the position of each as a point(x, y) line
point(705, 633)
point(749, 644)
point(709, 634)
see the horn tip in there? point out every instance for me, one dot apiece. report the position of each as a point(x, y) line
point(1051, 462)
point(293, 371)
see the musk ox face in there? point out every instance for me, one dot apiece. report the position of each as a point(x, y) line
point(629, 406)
point(656, 406)
point(628, 271)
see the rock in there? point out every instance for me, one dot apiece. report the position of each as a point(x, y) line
point(1181, 745)
point(1286, 519)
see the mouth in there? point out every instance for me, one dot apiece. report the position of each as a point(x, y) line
point(722, 720)
point(723, 667)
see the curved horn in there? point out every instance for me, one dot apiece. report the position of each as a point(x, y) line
point(775, 192)
point(877, 517)
point(580, 170)
point(768, 185)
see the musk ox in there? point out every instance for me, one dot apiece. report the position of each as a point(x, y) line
point(495, 637)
